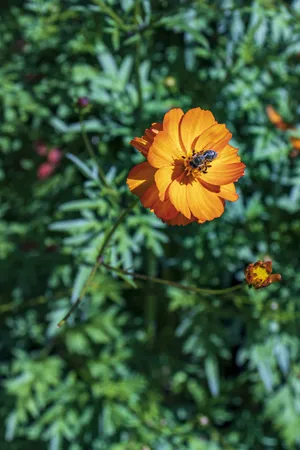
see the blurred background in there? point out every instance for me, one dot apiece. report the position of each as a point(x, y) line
point(141, 366)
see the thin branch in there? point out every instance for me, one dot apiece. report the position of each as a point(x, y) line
point(98, 262)
point(172, 283)
point(11, 306)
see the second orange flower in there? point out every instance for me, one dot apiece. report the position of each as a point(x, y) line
point(190, 168)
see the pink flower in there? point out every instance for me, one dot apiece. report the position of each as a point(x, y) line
point(45, 170)
point(40, 148)
point(54, 156)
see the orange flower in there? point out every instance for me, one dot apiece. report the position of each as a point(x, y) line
point(259, 275)
point(190, 167)
point(276, 118)
point(296, 144)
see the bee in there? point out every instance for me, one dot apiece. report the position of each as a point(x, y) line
point(201, 160)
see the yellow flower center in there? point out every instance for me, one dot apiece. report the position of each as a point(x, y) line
point(260, 274)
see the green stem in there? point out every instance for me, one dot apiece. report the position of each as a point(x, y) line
point(91, 151)
point(150, 300)
point(138, 76)
point(138, 61)
point(98, 262)
point(6, 307)
point(172, 283)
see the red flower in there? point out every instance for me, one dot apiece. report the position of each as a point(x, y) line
point(45, 170)
point(54, 156)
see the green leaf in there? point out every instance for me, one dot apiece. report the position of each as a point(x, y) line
point(212, 375)
point(81, 166)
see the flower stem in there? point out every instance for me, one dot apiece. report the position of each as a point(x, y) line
point(91, 151)
point(98, 262)
point(138, 60)
point(150, 301)
point(138, 76)
point(176, 285)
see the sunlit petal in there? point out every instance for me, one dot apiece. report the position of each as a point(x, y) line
point(163, 152)
point(171, 125)
point(164, 177)
point(140, 178)
point(204, 204)
point(177, 195)
point(214, 138)
point(193, 124)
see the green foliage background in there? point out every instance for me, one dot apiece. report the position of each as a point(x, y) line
point(141, 366)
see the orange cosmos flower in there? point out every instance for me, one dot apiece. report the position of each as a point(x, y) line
point(276, 119)
point(190, 167)
point(296, 147)
point(259, 275)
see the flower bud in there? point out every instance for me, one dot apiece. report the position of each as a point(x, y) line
point(45, 170)
point(40, 148)
point(83, 102)
point(54, 156)
point(259, 274)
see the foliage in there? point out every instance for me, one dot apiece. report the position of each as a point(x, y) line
point(140, 366)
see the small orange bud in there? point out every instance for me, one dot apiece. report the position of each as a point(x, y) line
point(259, 274)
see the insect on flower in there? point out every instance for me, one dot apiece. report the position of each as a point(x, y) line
point(190, 168)
point(200, 160)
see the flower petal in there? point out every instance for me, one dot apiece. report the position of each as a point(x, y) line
point(295, 143)
point(214, 138)
point(227, 192)
point(224, 173)
point(228, 155)
point(204, 205)
point(140, 178)
point(164, 177)
point(163, 152)
point(276, 118)
point(210, 187)
point(194, 122)
point(150, 197)
point(165, 210)
point(177, 195)
point(143, 144)
point(275, 277)
point(171, 125)
point(180, 219)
